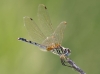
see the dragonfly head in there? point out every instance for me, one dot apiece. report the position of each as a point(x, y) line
point(67, 52)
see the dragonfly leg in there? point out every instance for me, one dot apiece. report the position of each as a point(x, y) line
point(64, 62)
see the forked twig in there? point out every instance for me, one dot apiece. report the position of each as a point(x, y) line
point(72, 65)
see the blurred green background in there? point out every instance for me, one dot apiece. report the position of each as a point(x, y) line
point(82, 36)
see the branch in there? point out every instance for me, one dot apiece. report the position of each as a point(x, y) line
point(72, 64)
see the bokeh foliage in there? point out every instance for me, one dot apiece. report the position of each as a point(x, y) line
point(82, 36)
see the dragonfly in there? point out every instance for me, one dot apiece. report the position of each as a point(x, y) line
point(44, 36)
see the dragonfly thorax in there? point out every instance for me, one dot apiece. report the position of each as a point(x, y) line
point(61, 51)
point(53, 46)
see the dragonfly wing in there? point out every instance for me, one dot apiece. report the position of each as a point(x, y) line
point(57, 36)
point(44, 20)
point(58, 33)
point(33, 29)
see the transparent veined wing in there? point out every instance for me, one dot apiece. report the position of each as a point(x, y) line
point(44, 20)
point(33, 29)
point(58, 33)
point(57, 36)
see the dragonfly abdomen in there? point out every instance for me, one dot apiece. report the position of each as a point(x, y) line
point(34, 43)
